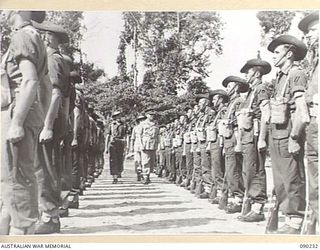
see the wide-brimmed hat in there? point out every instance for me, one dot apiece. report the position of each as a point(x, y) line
point(220, 92)
point(141, 117)
point(202, 96)
point(304, 23)
point(116, 113)
point(300, 47)
point(54, 28)
point(265, 66)
point(242, 83)
point(75, 77)
point(37, 16)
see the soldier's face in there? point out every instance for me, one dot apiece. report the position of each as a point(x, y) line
point(230, 87)
point(189, 113)
point(280, 56)
point(203, 103)
point(216, 100)
point(313, 32)
point(195, 109)
point(182, 119)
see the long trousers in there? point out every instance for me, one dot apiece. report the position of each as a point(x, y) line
point(233, 169)
point(288, 177)
point(217, 164)
point(253, 171)
point(313, 167)
point(18, 193)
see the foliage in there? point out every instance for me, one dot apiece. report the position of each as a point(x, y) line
point(274, 23)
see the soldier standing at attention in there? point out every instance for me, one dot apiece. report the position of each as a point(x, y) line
point(180, 156)
point(219, 99)
point(49, 157)
point(22, 116)
point(150, 140)
point(115, 140)
point(249, 122)
point(233, 182)
point(161, 152)
point(310, 26)
point(288, 117)
point(136, 145)
point(168, 149)
point(205, 181)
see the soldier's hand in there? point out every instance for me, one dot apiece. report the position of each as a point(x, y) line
point(293, 147)
point(62, 144)
point(45, 135)
point(238, 148)
point(15, 134)
point(74, 142)
point(262, 145)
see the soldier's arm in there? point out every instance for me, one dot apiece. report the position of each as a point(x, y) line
point(76, 125)
point(45, 94)
point(265, 117)
point(28, 89)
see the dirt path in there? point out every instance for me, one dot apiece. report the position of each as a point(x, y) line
point(130, 207)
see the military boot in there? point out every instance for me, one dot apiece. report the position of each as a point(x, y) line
point(193, 186)
point(73, 199)
point(199, 189)
point(48, 225)
point(178, 180)
point(22, 230)
point(223, 201)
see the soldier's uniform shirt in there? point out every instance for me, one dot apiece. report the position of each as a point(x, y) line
point(254, 175)
point(312, 136)
point(50, 199)
point(20, 199)
point(288, 171)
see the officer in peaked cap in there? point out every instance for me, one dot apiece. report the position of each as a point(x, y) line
point(150, 140)
point(136, 146)
point(115, 142)
point(287, 121)
point(310, 26)
point(250, 128)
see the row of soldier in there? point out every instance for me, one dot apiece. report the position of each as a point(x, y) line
point(52, 142)
point(217, 150)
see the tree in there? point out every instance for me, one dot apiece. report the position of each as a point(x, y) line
point(174, 46)
point(274, 23)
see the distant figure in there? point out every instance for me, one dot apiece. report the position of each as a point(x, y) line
point(115, 144)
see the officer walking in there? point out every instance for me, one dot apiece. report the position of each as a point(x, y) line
point(150, 140)
point(136, 145)
point(115, 141)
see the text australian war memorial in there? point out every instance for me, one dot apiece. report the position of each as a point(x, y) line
point(191, 112)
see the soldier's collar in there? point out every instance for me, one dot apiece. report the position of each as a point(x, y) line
point(51, 51)
point(286, 69)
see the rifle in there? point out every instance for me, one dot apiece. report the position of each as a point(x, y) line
point(272, 224)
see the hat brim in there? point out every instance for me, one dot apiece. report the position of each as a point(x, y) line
point(56, 29)
point(304, 23)
point(301, 48)
point(265, 68)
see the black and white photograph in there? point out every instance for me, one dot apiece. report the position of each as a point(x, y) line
point(159, 122)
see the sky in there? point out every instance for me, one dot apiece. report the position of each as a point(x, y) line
point(241, 41)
